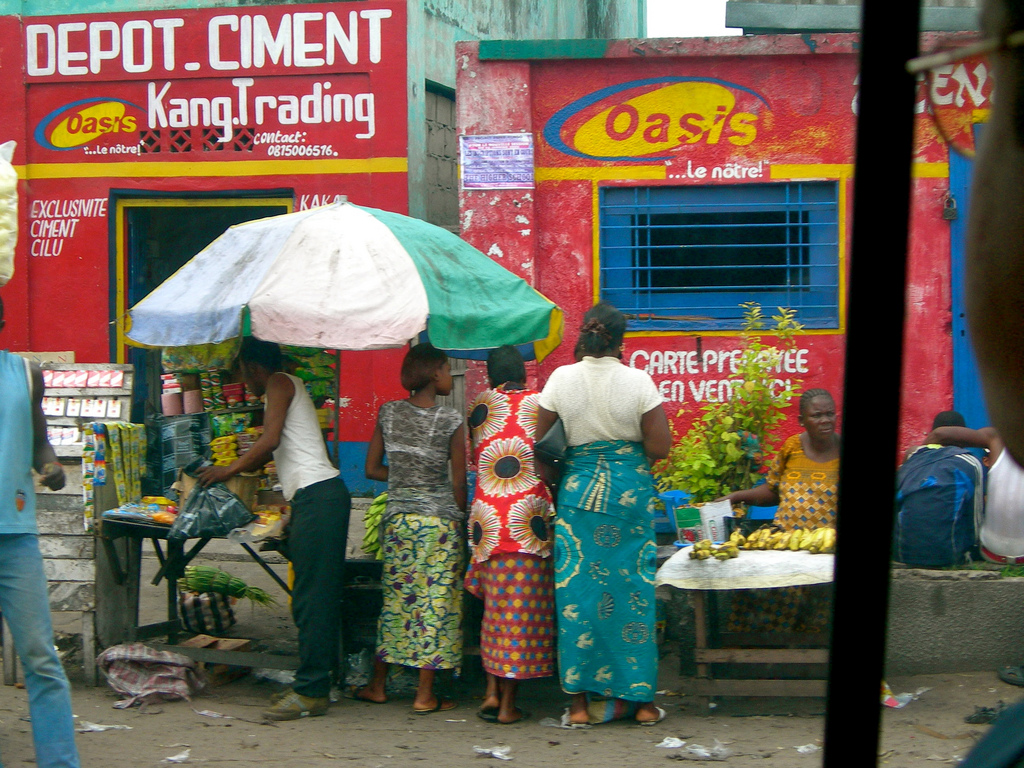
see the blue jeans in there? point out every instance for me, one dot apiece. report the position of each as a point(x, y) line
point(25, 604)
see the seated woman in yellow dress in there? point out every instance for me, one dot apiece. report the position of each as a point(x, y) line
point(803, 481)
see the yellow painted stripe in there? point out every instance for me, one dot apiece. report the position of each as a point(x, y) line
point(219, 168)
point(600, 173)
point(930, 170)
point(812, 171)
point(845, 170)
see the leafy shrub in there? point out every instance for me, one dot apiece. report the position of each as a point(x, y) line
point(723, 449)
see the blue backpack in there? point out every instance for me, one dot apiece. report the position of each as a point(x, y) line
point(940, 501)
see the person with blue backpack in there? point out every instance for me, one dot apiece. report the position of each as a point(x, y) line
point(1000, 529)
point(939, 499)
point(1001, 534)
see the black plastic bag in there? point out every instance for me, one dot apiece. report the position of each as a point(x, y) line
point(210, 512)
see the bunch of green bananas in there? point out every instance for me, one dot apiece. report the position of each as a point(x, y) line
point(705, 549)
point(371, 539)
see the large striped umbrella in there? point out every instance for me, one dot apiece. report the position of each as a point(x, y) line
point(345, 277)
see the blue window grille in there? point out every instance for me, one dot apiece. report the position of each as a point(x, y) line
point(685, 258)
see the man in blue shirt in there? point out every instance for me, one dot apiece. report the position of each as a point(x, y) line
point(24, 598)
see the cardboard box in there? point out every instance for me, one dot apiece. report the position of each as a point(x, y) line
point(712, 519)
point(220, 674)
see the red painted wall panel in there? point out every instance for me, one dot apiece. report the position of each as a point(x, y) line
point(757, 110)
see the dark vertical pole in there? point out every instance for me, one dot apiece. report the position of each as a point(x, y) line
point(871, 394)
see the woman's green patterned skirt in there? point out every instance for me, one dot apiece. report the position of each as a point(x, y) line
point(604, 573)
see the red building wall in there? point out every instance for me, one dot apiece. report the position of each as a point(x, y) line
point(792, 116)
point(305, 100)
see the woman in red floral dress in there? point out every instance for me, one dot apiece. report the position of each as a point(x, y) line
point(510, 539)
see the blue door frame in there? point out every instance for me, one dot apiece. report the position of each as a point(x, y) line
point(967, 393)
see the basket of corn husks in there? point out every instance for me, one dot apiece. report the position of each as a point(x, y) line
point(207, 595)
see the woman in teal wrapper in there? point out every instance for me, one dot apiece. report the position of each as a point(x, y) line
point(604, 530)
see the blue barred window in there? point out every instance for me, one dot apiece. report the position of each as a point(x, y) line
point(685, 258)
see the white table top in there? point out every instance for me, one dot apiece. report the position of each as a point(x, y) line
point(753, 569)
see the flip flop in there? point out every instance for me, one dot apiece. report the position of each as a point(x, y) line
point(488, 714)
point(354, 695)
point(661, 716)
point(1012, 675)
point(443, 705)
point(523, 715)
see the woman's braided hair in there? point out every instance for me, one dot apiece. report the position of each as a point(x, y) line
point(810, 394)
point(602, 331)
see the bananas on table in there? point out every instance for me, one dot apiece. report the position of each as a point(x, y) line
point(813, 540)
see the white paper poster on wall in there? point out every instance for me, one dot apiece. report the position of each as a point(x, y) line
point(501, 161)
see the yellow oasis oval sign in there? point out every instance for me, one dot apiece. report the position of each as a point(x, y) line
point(81, 122)
point(654, 119)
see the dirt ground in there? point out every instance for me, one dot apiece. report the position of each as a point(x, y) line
point(928, 731)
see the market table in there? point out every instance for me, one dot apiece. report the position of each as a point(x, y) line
point(172, 561)
point(754, 569)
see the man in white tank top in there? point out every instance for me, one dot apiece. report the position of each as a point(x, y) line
point(318, 533)
point(1002, 532)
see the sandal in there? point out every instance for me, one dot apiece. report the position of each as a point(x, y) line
point(488, 714)
point(443, 705)
point(1012, 675)
point(523, 715)
point(661, 716)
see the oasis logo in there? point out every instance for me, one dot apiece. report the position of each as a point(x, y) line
point(82, 122)
point(656, 119)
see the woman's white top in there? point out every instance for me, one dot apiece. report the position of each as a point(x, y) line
point(1003, 529)
point(301, 456)
point(600, 399)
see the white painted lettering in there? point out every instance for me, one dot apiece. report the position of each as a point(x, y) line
point(97, 52)
point(710, 357)
point(278, 46)
point(130, 58)
point(64, 55)
point(657, 363)
point(347, 42)
point(374, 17)
point(213, 35)
point(301, 47)
point(167, 26)
point(636, 356)
point(33, 32)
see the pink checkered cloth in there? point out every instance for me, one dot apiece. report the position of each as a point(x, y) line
point(145, 675)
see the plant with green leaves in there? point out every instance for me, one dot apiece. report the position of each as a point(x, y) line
point(723, 449)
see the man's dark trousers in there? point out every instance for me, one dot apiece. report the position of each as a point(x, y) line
point(316, 547)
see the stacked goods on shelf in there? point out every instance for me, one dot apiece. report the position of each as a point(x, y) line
point(213, 394)
point(171, 401)
point(318, 371)
point(113, 451)
point(224, 450)
point(224, 424)
point(150, 509)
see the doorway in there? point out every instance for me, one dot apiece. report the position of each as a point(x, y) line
point(154, 235)
point(968, 397)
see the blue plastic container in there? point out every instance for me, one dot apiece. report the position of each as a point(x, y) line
point(761, 513)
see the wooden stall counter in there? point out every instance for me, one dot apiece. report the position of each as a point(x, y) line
point(753, 569)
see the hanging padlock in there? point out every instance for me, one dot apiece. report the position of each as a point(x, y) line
point(949, 212)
